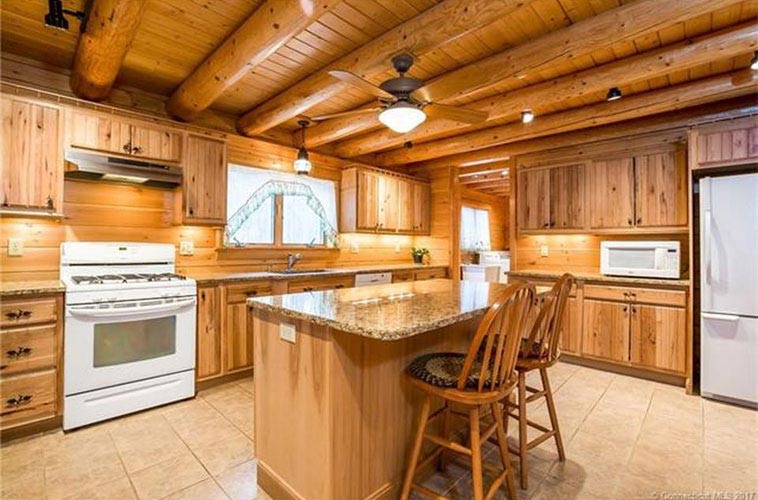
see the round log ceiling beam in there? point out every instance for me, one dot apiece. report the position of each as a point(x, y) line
point(110, 29)
point(271, 26)
point(435, 26)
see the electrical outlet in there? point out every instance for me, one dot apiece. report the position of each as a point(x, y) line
point(15, 247)
point(287, 332)
point(544, 251)
point(355, 247)
point(397, 247)
point(186, 247)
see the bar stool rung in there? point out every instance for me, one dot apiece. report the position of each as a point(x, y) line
point(428, 492)
point(449, 444)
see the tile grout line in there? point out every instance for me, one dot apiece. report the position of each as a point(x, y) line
point(121, 460)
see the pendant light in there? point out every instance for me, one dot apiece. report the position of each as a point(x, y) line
point(302, 163)
point(402, 116)
point(754, 61)
point(614, 94)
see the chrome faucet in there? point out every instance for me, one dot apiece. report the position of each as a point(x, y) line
point(293, 259)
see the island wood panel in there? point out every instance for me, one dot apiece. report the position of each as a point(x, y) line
point(360, 410)
point(659, 337)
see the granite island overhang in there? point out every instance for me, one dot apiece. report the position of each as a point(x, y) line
point(333, 410)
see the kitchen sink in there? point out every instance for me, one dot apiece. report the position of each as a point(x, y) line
point(301, 271)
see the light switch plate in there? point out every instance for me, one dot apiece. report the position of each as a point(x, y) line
point(15, 247)
point(287, 332)
point(186, 247)
point(544, 250)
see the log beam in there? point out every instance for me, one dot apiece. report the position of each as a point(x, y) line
point(436, 26)
point(715, 111)
point(647, 103)
point(724, 44)
point(111, 27)
point(272, 25)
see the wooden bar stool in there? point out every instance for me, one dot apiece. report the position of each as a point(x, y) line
point(477, 381)
point(539, 351)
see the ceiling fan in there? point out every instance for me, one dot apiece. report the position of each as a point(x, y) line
point(404, 101)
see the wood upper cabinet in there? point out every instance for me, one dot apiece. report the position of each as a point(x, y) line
point(114, 134)
point(534, 199)
point(209, 334)
point(204, 181)
point(658, 337)
point(372, 201)
point(31, 169)
point(567, 197)
point(660, 190)
point(606, 330)
point(733, 142)
point(611, 193)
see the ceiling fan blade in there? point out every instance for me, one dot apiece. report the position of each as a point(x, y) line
point(360, 83)
point(442, 88)
point(329, 116)
point(454, 113)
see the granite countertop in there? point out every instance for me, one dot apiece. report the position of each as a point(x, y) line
point(600, 278)
point(19, 288)
point(217, 277)
point(387, 312)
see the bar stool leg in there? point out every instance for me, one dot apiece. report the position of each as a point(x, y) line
point(502, 441)
point(523, 440)
point(445, 433)
point(476, 454)
point(416, 449)
point(553, 415)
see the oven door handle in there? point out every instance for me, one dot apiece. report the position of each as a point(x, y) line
point(104, 313)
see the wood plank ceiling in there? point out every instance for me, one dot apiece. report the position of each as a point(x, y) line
point(175, 36)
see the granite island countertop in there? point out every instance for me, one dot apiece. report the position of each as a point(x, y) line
point(387, 312)
point(218, 277)
point(600, 278)
point(10, 289)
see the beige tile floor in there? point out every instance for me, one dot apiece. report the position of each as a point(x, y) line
point(625, 438)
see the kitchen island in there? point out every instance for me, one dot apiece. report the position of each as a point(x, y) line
point(333, 412)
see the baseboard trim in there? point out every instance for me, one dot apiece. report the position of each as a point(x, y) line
point(671, 379)
point(26, 430)
point(230, 377)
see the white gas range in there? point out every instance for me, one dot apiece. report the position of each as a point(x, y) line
point(129, 330)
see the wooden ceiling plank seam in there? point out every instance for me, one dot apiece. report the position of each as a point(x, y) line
point(353, 16)
point(741, 38)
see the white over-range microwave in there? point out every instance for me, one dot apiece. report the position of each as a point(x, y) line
point(648, 259)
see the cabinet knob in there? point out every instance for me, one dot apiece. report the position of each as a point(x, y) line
point(626, 308)
point(308, 289)
point(191, 211)
point(49, 202)
point(127, 147)
point(252, 293)
point(546, 225)
point(18, 314)
point(19, 400)
point(137, 150)
point(340, 286)
point(19, 352)
point(639, 220)
point(629, 221)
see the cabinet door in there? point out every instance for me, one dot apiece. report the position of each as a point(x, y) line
point(567, 197)
point(99, 133)
point(611, 193)
point(205, 181)
point(239, 338)
point(156, 143)
point(31, 169)
point(606, 330)
point(534, 199)
point(660, 190)
point(388, 203)
point(209, 336)
point(421, 207)
point(368, 200)
point(405, 206)
point(571, 329)
point(659, 337)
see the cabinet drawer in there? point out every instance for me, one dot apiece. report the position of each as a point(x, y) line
point(642, 295)
point(27, 312)
point(26, 398)
point(401, 276)
point(239, 292)
point(24, 349)
point(325, 283)
point(430, 274)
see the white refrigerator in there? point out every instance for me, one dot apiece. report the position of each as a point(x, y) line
point(729, 288)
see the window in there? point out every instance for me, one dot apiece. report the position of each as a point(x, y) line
point(273, 208)
point(475, 229)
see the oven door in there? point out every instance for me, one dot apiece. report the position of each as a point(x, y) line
point(120, 342)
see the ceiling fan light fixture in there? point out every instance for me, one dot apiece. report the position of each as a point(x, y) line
point(614, 94)
point(527, 116)
point(402, 117)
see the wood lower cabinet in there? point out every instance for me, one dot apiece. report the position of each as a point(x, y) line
point(239, 339)
point(30, 351)
point(209, 333)
point(430, 274)
point(571, 330)
point(31, 168)
point(315, 284)
point(658, 337)
point(606, 330)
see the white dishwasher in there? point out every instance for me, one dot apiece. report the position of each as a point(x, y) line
point(373, 279)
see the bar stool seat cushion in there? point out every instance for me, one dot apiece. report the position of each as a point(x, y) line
point(442, 369)
point(532, 349)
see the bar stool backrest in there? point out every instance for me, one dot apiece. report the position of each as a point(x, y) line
point(545, 332)
point(492, 355)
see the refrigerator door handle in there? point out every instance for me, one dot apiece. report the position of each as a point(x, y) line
point(720, 317)
point(707, 245)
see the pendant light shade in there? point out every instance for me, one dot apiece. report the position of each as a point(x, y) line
point(302, 163)
point(614, 94)
point(402, 117)
point(754, 61)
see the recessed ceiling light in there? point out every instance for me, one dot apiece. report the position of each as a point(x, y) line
point(614, 93)
point(527, 116)
point(754, 61)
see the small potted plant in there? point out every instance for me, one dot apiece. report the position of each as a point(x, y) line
point(418, 254)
